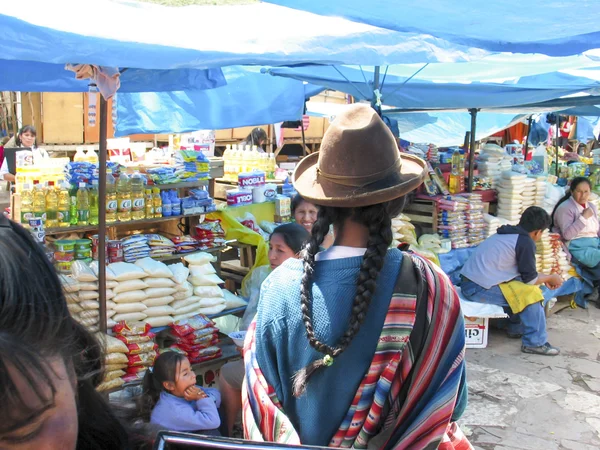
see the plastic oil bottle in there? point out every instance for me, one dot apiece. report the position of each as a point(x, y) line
point(124, 198)
point(94, 198)
point(39, 201)
point(271, 166)
point(91, 156)
point(111, 198)
point(149, 207)
point(83, 205)
point(138, 201)
point(254, 159)
point(64, 205)
point(157, 202)
point(80, 155)
point(454, 181)
point(234, 166)
point(227, 162)
point(73, 205)
point(246, 160)
point(51, 206)
point(26, 204)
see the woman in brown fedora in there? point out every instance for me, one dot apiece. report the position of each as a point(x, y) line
point(359, 345)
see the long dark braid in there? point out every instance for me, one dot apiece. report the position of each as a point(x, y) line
point(377, 219)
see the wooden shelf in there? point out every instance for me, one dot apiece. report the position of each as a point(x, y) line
point(182, 185)
point(84, 228)
point(177, 256)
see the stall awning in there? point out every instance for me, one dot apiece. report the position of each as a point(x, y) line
point(554, 28)
point(249, 98)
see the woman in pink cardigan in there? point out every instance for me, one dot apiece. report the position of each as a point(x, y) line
point(577, 221)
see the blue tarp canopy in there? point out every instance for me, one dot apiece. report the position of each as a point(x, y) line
point(554, 28)
point(249, 98)
point(28, 76)
point(121, 33)
point(426, 92)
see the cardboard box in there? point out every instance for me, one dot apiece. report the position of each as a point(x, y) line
point(476, 332)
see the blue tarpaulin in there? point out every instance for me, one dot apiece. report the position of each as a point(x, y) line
point(121, 33)
point(553, 28)
point(421, 92)
point(249, 98)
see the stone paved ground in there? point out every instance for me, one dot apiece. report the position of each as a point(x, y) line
point(520, 401)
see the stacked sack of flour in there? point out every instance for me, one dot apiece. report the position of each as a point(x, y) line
point(82, 295)
point(129, 293)
point(141, 348)
point(205, 282)
point(115, 362)
point(551, 256)
point(159, 292)
point(510, 196)
point(492, 161)
point(529, 193)
point(540, 191)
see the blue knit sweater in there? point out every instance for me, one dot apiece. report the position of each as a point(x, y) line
point(282, 346)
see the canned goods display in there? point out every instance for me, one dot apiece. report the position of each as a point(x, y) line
point(36, 225)
point(115, 251)
point(95, 255)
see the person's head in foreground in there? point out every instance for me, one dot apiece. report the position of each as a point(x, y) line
point(535, 221)
point(286, 242)
point(358, 192)
point(49, 364)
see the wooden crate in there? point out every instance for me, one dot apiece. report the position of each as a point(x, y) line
point(423, 213)
point(62, 118)
point(31, 103)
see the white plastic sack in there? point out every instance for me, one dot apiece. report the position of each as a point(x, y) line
point(153, 268)
point(178, 304)
point(208, 291)
point(69, 284)
point(209, 302)
point(159, 283)
point(129, 317)
point(210, 279)
point(158, 311)
point(88, 286)
point(129, 297)
point(159, 292)
point(90, 314)
point(233, 301)
point(180, 272)
point(89, 304)
point(110, 275)
point(184, 316)
point(158, 301)
point(110, 294)
point(130, 285)
point(125, 271)
point(159, 321)
point(202, 269)
point(187, 309)
point(82, 272)
point(121, 308)
point(74, 308)
point(88, 295)
point(213, 309)
point(199, 258)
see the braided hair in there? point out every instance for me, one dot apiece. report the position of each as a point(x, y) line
point(377, 218)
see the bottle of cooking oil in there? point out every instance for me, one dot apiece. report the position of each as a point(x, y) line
point(149, 204)
point(39, 201)
point(83, 205)
point(73, 204)
point(80, 155)
point(227, 162)
point(138, 210)
point(64, 205)
point(26, 204)
point(111, 198)
point(93, 196)
point(51, 206)
point(271, 166)
point(455, 174)
point(91, 156)
point(124, 198)
point(157, 202)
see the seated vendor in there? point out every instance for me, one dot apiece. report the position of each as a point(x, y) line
point(502, 271)
point(577, 222)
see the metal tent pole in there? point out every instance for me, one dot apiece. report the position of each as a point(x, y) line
point(374, 98)
point(102, 212)
point(556, 145)
point(473, 112)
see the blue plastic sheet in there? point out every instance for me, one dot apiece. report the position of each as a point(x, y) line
point(425, 92)
point(536, 26)
point(28, 76)
point(250, 98)
point(121, 33)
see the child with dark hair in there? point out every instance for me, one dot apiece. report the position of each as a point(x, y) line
point(50, 365)
point(498, 272)
point(175, 402)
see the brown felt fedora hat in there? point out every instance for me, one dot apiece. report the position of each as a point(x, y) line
point(358, 165)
